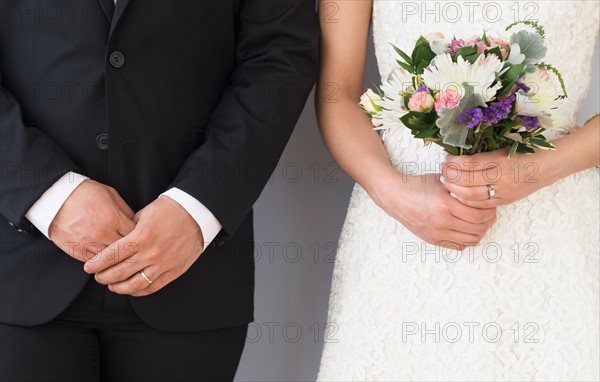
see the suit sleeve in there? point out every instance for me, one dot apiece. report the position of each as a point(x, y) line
point(276, 68)
point(31, 162)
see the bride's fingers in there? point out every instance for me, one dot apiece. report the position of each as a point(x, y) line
point(468, 178)
point(477, 214)
point(479, 204)
point(478, 193)
point(469, 228)
point(458, 240)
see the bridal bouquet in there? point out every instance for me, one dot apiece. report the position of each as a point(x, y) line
point(471, 96)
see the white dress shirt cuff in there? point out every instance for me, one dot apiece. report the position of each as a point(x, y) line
point(209, 225)
point(42, 212)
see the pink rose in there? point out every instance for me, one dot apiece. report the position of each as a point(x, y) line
point(421, 102)
point(481, 47)
point(448, 99)
point(501, 43)
point(455, 45)
point(497, 41)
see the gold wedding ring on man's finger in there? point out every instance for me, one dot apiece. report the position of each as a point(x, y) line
point(146, 277)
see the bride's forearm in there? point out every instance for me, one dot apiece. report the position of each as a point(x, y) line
point(574, 152)
point(355, 146)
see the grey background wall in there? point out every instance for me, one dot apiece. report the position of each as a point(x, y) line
point(298, 219)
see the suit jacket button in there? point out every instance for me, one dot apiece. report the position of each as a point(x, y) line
point(102, 141)
point(117, 59)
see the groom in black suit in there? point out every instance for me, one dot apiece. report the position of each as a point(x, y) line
point(135, 139)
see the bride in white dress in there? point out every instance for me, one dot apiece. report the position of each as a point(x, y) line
point(521, 305)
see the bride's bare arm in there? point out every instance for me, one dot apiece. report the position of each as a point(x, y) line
point(581, 148)
point(347, 131)
point(422, 204)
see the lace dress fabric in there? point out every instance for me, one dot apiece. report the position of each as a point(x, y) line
point(521, 306)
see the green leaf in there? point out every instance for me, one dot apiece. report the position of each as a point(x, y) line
point(411, 122)
point(406, 67)
point(469, 53)
point(426, 117)
point(405, 118)
point(422, 55)
point(406, 98)
point(537, 131)
point(531, 45)
point(495, 51)
point(420, 124)
point(513, 150)
point(542, 143)
point(453, 150)
point(510, 77)
point(525, 149)
point(426, 133)
point(513, 73)
point(422, 41)
point(450, 149)
point(404, 56)
point(492, 144)
point(505, 128)
point(422, 65)
point(484, 38)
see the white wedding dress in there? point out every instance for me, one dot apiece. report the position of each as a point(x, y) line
point(523, 305)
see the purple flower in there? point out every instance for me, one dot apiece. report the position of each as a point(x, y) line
point(424, 89)
point(530, 123)
point(516, 87)
point(522, 86)
point(497, 111)
point(471, 117)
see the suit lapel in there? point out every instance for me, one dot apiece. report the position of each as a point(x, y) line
point(108, 6)
point(119, 10)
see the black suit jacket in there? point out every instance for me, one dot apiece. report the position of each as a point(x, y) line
point(196, 94)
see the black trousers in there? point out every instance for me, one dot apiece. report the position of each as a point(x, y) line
point(100, 338)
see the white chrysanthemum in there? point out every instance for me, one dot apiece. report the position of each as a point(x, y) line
point(443, 74)
point(398, 82)
point(540, 101)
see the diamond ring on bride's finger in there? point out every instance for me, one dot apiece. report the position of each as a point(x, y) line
point(491, 191)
